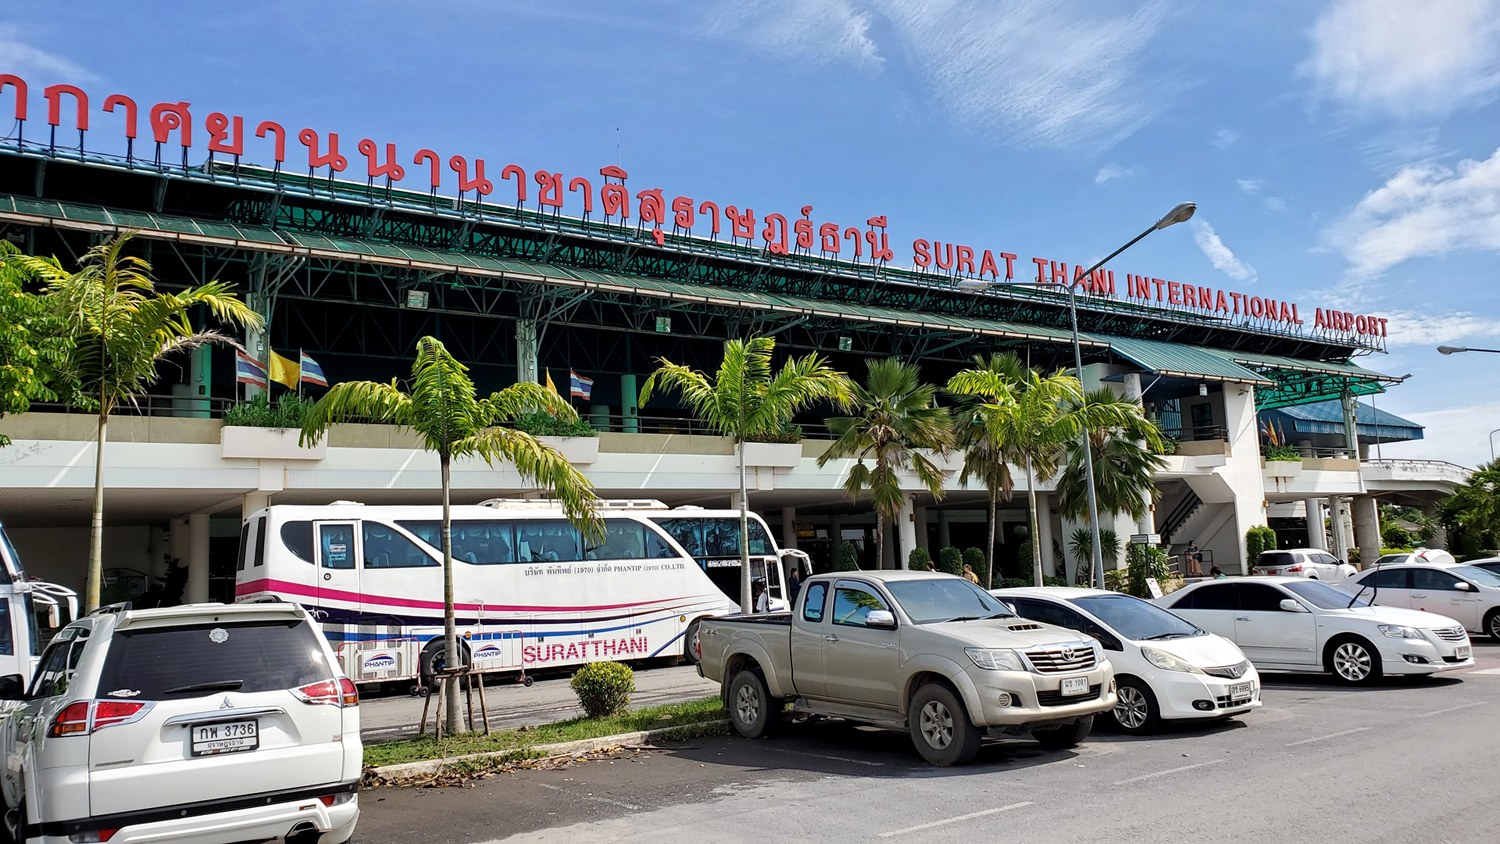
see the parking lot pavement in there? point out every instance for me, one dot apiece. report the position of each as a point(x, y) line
point(392, 716)
point(1404, 761)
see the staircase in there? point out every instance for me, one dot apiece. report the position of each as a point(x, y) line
point(1185, 508)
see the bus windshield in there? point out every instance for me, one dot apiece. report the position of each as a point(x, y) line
point(12, 559)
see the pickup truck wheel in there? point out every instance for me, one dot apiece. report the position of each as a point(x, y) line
point(940, 726)
point(690, 644)
point(751, 707)
point(1066, 736)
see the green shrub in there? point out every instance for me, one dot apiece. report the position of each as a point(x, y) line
point(787, 434)
point(603, 688)
point(974, 558)
point(1117, 580)
point(951, 561)
point(1054, 580)
point(289, 411)
point(1395, 536)
point(1280, 452)
point(919, 560)
point(1142, 563)
point(1014, 583)
point(540, 423)
point(848, 557)
point(1257, 539)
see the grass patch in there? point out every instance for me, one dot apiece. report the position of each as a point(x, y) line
point(684, 715)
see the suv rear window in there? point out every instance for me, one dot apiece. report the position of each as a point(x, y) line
point(165, 663)
point(1276, 558)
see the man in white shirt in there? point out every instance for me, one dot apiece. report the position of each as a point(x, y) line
point(760, 600)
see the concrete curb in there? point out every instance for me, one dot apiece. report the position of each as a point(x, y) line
point(428, 767)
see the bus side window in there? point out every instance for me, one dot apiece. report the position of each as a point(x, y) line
point(687, 532)
point(657, 547)
point(298, 538)
point(7, 636)
point(386, 549)
point(337, 542)
point(760, 542)
point(548, 541)
point(484, 543)
point(260, 541)
point(244, 546)
point(624, 539)
point(722, 536)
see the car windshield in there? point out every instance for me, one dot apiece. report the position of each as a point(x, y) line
point(1136, 619)
point(1323, 596)
point(1483, 577)
point(945, 599)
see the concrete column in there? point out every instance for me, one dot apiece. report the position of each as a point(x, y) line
point(789, 527)
point(1351, 427)
point(599, 417)
point(835, 532)
point(629, 406)
point(1044, 531)
point(527, 352)
point(734, 501)
point(906, 530)
point(1317, 535)
point(922, 540)
point(1367, 529)
point(255, 339)
point(252, 501)
point(178, 530)
point(1336, 518)
point(945, 538)
point(197, 583)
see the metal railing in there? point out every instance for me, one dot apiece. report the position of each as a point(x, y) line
point(179, 407)
point(1197, 433)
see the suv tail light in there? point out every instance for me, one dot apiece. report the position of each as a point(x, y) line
point(93, 836)
point(340, 692)
point(1294, 568)
point(88, 716)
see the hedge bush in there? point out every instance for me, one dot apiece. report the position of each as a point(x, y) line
point(848, 557)
point(1396, 536)
point(603, 688)
point(1144, 562)
point(950, 561)
point(919, 560)
point(540, 423)
point(289, 412)
point(1257, 539)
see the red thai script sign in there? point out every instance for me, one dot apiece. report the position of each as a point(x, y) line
point(775, 234)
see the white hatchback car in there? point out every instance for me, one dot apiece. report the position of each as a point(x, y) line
point(1468, 594)
point(1310, 563)
point(1165, 668)
point(205, 723)
point(1295, 624)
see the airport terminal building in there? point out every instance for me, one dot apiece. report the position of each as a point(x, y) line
point(529, 274)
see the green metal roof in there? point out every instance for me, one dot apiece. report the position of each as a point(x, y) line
point(1264, 362)
point(1184, 361)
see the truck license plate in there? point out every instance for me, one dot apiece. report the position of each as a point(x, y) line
point(228, 737)
point(1075, 686)
point(1240, 691)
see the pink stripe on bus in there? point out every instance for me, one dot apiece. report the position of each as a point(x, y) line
point(302, 590)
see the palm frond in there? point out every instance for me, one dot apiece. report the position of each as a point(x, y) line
point(542, 465)
point(349, 401)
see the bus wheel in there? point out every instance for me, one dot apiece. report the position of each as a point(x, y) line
point(433, 660)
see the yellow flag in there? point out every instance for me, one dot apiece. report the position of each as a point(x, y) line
point(284, 371)
point(551, 386)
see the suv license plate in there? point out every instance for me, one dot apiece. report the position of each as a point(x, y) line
point(226, 737)
point(1462, 652)
point(1075, 686)
point(1240, 691)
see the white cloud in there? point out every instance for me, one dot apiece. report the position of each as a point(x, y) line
point(1274, 203)
point(1110, 172)
point(1456, 435)
point(1415, 328)
point(1425, 210)
point(1406, 59)
point(816, 31)
point(1250, 186)
point(1225, 138)
point(1220, 255)
point(20, 56)
point(1253, 187)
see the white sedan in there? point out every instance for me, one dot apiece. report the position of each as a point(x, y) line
point(1295, 624)
point(1165, 667)
point(1469, 594)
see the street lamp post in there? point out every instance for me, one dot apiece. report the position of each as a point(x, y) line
point(1453, 350)
point(1180, 213)
point(1492, 444)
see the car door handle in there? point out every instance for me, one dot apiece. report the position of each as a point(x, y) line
point(1419, 594)
point(830, 638)
point(1241, 618)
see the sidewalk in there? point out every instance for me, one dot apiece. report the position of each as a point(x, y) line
point(512, 705)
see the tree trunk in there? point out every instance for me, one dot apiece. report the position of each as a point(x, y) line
point(96, 527)
point(1036, 538)
point(989, 550)
point(450, 627)
point(746, 604)
point(879, 539)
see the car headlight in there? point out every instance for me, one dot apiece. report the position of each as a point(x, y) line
point(1396, 631)
point(996, 659)
point(1169, 662)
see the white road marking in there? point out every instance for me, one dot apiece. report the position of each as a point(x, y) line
point(1329, 736)
point(608, 800)
point(1169, 771)
point(1454, 708)
point(1483, 672)
point(946, 821)
point(833, 758)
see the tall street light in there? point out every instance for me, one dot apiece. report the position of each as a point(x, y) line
point(1181, 213)
point(1453, 350)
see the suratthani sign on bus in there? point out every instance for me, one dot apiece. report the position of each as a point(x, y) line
point(652, 214)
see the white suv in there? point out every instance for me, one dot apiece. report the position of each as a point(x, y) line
point(1303, 562)
point(206, 723)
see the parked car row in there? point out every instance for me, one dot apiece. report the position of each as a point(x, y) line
point(205, 722)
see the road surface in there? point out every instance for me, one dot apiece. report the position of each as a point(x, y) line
point(1405, 761)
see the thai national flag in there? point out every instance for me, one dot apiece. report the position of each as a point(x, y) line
point(581, 387)
point(312, 373)
point(248, 370)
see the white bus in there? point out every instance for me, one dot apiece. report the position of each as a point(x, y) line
point(26, 607)
point(529, 592)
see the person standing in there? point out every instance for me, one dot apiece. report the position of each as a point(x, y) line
point(969, 574)
point(759, 599)
point(1195, 559)
point(793, 585)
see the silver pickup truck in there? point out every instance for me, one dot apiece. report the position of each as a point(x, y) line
point(929, 653)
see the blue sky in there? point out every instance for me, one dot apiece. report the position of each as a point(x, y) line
point(1341, 153)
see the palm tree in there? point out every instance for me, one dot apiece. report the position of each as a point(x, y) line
point(1124, 462)
point(746, 398)
point(898, 415)
point(121, 327)
point(1034, 417)
point(986, 458)
point(444, 408)
point(1081, 546)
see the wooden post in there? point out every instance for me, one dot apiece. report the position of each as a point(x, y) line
point(469, 697)
point(426, 704)
point(484, 709)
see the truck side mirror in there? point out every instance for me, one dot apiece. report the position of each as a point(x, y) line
point(880, 620)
